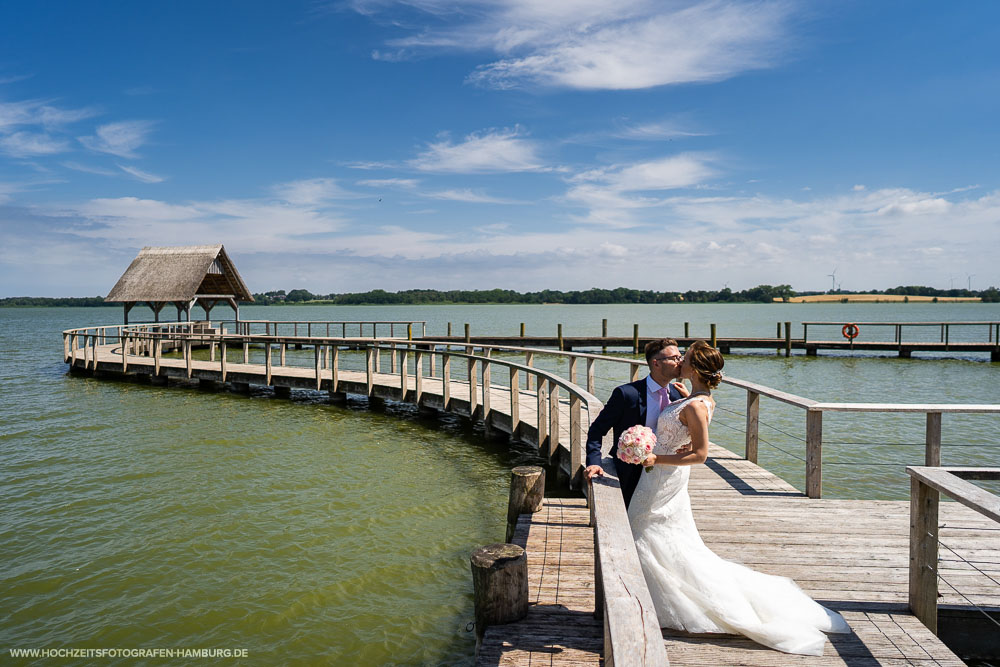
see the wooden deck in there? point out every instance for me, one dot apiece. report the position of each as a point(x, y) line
point(852, 555)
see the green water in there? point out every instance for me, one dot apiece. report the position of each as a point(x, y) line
point(138, 516)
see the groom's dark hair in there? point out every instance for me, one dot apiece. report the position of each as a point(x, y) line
point(654, 347)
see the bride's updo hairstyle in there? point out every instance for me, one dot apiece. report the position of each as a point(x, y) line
point(707, 362)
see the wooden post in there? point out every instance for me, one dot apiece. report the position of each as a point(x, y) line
point(500, 586)
point(753, 422)
point(541, 414)
point(527, 491)
point(404, 379)
point(409, 331)
point(814, 453)
point(788, 339)
point(635, 339)
point(778, 336)
point(805, 332)
point(559, 331)
point(449, 329)
point(370, 368)
point(246, 352)
point(947, 335)
point(335, 370)
point(487, 374)
point(604, 334)
point(446, 380)
point(715, 341)
point(124, 342)
point(473, 390)
point(418, 375)
point(932, 449)
point(529, 361)
point(923, 589)
point(222, 360)
point(317, 358)
point(576, 442)
point(281, 353)
point(188, 345)
point(687, 329)
point(522, 329)
point(515, 404)
point(553, 419)
point(572, 369)
point(633, 373)
point(267, 364)
point(157, 353)
point(392, 358)
point(590, 375)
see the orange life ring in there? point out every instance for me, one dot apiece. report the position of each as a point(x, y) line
point(851, 331)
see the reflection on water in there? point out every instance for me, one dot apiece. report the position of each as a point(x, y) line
point(139, 516)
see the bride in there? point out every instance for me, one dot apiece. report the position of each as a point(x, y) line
point(692, 588)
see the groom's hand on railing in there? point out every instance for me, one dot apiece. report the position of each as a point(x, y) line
point(593, 471)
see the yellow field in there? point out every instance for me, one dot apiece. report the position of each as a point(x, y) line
point(876, 298)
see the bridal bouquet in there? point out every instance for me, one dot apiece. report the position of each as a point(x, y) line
point(636, 444)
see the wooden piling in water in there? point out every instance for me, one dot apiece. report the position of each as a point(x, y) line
point(635, 339)
point(715, 340)
point(788, 339)
point(604, 334)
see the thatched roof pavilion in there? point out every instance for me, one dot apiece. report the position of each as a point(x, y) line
point(181, 275)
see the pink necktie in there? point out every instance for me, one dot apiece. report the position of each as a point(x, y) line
point(664, 393)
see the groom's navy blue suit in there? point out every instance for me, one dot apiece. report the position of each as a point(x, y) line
point(625, 408)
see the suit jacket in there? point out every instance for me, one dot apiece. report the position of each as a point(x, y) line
point(625, 408)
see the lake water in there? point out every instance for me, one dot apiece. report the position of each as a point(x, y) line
point(149, 517)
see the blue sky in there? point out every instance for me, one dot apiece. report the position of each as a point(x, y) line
point(522, 144)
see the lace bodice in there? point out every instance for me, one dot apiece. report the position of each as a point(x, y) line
point(671, 434)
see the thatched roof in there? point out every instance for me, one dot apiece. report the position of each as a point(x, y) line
point(179, 273)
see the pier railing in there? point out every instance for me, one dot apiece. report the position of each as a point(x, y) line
point(926, 331)
point(926, 486)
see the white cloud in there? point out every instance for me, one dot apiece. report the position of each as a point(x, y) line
point(655, 131)
point(88, 169)
point(494, 151)
point(24, 144)
point(469, 196)
point(38, 112)
point(591, 44)
point(404, 183)
point(121, 139)
point(311, 192)
point(141, 175)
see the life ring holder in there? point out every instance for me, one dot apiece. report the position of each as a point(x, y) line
point(850, 331)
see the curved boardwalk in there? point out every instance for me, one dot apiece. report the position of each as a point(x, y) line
point(850, 554)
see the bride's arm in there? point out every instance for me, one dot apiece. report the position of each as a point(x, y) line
point(695, 417)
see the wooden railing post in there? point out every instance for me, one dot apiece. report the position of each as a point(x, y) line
point(124, 343)
point(590, 375)
point(473, 390)
point(932, 449)
point(529, 361)
point(542, 402)
point(267, 364)
point(317, 365)
point(814, 453)
point(515, 402)
point(559, 332)
point(753, 424)
point(923, 590)
point(222, 360)
point(418, 374)
point(633, 372)
point(788, 339)
point(553, 419)
point(157, 352)
point(370, 368)
point(246, 351)
point(281, 353)
point(572, 369)
point(334, 369)
point(576, 441)
point(487, 375)
point(404, 373)
point(188, 360)
point(446, 380)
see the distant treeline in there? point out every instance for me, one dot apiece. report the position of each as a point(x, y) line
point(758, 294)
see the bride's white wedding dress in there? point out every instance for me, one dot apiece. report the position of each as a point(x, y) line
point(697, 591)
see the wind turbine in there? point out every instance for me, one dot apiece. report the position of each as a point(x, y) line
point(833, 280)
point(971, 276)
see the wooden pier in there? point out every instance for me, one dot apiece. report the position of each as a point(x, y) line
point(851, 555)
point(588, 600)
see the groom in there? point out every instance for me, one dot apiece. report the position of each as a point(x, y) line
point(634, 403)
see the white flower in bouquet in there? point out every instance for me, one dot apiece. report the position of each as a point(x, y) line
point(636, 444)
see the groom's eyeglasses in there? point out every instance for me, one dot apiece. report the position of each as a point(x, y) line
point(672, 357)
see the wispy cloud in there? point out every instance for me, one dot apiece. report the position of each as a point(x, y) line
point(121, 138)
point(26, 144)
point(39, 112)
point(587, 44)
point(468, 196)
point(89, 169)
point(403, 183)
point(311, 192)
point(655, 131)
point(141, 175)
point(492, 151)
